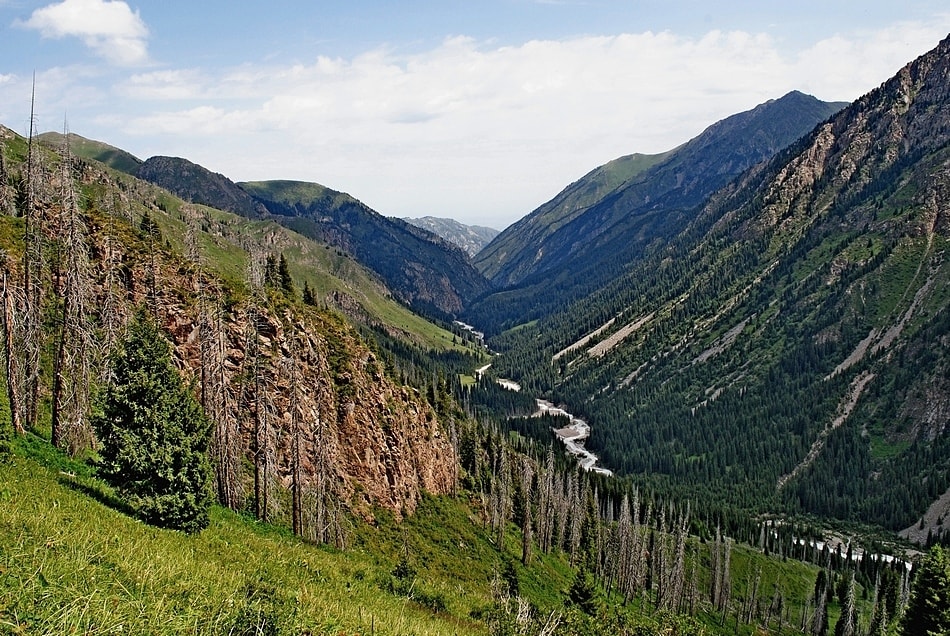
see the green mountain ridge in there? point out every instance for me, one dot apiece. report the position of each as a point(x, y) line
point(111, 156)
point(787, 350)
point(420, 268)
point(430, 274)
point(597, 226)
point(343, 282)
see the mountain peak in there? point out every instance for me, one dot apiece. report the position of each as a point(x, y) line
point(607, 218)
point(471, 238)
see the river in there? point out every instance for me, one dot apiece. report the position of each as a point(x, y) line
point(572, 436)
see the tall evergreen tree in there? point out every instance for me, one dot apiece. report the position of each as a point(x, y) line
point(928, 613)
point(154, 434)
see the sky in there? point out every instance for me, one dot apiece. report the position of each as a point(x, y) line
point(478, 111)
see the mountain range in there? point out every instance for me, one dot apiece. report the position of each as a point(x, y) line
point(755, 326)
point(784, 345)
point(659, 291)
point(471, 238)
point(418, 266)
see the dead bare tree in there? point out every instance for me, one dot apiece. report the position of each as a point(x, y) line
point(6, 196)
point(500, 501)
point(256, 398)
point(32, 314)
point(110, 315)
point(217, 398)
point(12, 313)
point(291, 371)
point(546, 507)
point(526, 522)
point(72, 373)
point(322, 514)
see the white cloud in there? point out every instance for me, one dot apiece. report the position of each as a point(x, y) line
point(478, 131)
point(163, 85)
point(108, 27)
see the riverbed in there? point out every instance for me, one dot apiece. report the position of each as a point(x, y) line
point(573, 437)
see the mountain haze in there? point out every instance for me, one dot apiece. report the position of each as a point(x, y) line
point(471, 238)
point(601, 223)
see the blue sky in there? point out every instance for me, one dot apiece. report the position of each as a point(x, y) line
point(479, 111)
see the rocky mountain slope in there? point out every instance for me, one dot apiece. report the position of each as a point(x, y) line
point(197, 184)
point(471, 238)
point(328, 399)
point(789, 348)
point(596, 227)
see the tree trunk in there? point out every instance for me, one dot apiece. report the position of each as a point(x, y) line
point(12, 372)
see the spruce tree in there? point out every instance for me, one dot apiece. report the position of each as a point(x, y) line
point(928, 613)
point(153, 433)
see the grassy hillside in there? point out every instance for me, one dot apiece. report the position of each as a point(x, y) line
point(72, 562)
point(96, 150)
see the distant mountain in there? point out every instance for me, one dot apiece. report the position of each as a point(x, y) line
point(89, 149)
point(787, 349)
point(597, 226)
point(197, 184)
point(471, 238)
point(421, 269)
point(425, 271)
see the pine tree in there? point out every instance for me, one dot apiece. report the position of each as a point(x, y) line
point(928, 612)
point(285, 280)
point(309, 297)
point(153, 433)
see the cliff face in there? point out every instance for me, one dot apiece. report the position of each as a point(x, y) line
point(375, 443)
point(290, 387)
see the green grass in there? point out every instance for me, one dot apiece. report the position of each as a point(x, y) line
point(71, 563)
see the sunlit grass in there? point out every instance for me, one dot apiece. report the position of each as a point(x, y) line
point(70, 564)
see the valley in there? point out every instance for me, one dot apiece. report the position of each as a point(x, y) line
point(751, 332)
